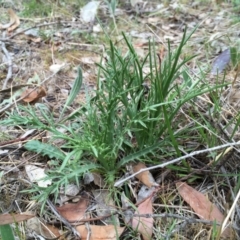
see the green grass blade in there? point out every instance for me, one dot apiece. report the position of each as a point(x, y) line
point(6, 232)
point(139, 154)
point(75, 89)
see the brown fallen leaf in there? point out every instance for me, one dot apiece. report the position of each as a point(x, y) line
point(45, 230)
point(32, 95)
point(13, 218)
point(74, 211)
point(100, 232)
point(49, 231)
point(201, 205)
point(145, 177)
point(142, 224)
point(14, 20)
point(105, 206)
point(35, 40)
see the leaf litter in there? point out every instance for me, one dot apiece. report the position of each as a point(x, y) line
point(76, 43)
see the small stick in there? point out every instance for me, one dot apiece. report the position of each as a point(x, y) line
point(118, 183)
point(9, 63)
point(26, 29)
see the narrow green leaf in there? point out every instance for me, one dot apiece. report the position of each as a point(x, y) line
point(75, 89)
point(138, 154)
point(66, 160)
point(6, 232)
point(234, 56)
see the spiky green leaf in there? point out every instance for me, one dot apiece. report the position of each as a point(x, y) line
point(44, 149)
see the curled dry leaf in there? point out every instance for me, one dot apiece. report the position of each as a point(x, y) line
point(144, 225)
point(93, 232)
point(32, 95)
point(201, 205)
point(74, 211)
point(145, 177)
point(14, 20)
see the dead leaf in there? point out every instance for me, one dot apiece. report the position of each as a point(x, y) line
point(161, 53)
point(154, 20)
point(201, 205)
point(70, 190)
point(35, 40)
point(90, 59)
point(37, 174)
point(57, 67)
point(45, 230)
point(13, 218)
point(145, 177)
point(49, 231)
point(145, 192)
point(128, 213)
point(74, 211)
point(34, 32)
point(135, 3)
point(14, 20)
point(142, 224)
point(89, 11)
point(99, 232)
point(93, 177)
point(105, 206)
point(220, 63)
point(32, 95)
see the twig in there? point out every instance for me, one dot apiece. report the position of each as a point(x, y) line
point(230, 212)
point(9, 63)
point(118, 183)
point(14, 141)
point(170, 215)
point(89, 230)
point(62, 218)
point(26, 29)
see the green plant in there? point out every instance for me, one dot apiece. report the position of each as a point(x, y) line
point(112, 8)
point(6, 232)
point(36, 8)
point(131, 117)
